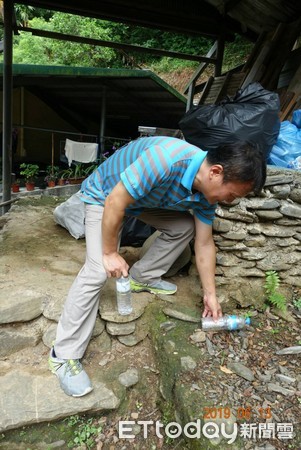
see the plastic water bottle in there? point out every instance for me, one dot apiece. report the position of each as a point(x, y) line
point(225, 323)
point(124, 302)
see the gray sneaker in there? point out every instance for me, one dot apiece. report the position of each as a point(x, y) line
point(158, 287)
point(73, 379)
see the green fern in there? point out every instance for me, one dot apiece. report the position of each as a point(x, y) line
point(272, 283)
point(278, 300)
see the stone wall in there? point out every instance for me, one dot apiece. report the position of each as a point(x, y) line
point(258, 234)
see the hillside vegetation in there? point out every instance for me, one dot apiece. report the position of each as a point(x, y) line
point(30, 49)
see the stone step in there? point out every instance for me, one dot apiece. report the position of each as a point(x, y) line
point(38, 398)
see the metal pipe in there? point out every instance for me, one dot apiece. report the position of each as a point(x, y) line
point(8, 202)
point(22, 108)
point(102, 121)
point(7, 105)
point(50, 130)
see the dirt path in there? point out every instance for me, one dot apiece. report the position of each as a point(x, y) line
point(38, 255)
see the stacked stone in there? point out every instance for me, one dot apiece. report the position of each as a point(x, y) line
point(252, 236)
point(27, 318)
point(258, 234)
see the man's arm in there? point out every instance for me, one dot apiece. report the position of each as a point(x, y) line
point(114, 210)
point(205, 255)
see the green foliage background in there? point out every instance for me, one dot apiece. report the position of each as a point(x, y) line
point(30, 49)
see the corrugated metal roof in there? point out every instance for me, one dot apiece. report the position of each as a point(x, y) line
point(133, 97)
point(187, 16)
point(198, 17)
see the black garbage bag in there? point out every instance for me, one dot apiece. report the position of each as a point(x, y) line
point(252, 114)
point(135, 232)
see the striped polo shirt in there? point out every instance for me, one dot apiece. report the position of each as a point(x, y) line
point(158, 172)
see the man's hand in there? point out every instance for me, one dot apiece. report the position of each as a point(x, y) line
point(115, 205)
point(205, 260)
point(212, 308)
point(115, 266)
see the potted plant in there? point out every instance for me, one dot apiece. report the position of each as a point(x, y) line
point(16, 185)
point(90, 169)
point(52, 175)
point(77, 174)
point(30, 172)
point(61, 180)
point(64, 175)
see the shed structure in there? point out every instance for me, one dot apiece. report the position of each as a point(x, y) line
point(273, 25)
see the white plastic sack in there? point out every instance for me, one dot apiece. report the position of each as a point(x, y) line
point(71, 215)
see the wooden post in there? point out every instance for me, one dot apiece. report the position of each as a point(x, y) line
point(219, 55)
point(200, 69)
point(189, 103)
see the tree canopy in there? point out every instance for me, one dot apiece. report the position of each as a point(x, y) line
point(29, 49)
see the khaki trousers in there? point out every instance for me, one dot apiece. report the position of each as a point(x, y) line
point(80, 310)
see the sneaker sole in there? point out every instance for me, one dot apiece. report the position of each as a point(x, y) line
point(84, 393)
point(152, 290)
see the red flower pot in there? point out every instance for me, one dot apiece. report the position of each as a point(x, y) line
point(29, 186)
point(15, 188)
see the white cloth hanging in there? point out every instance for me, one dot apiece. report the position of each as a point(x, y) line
point(84, 152)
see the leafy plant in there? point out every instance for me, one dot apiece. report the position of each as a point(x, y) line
point(85, 432)
point(274, 331)
point(29, 171)
point(66, 173)
point(90, 169)
point(274, 297)
point(23, 14)
point(78, 171)
point(52, 173)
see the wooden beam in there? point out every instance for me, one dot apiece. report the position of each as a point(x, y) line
point(201, 68)
point(223, 88)
point(206, 90)
point(285, 114)
point(190, 97)
point(116, 45)
point(257, 70)
point(254, 53)
point(219, 55)
point(282, 44)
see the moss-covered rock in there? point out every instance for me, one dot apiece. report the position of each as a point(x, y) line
point(180, 402)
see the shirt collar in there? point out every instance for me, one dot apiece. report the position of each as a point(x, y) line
point(192, 169)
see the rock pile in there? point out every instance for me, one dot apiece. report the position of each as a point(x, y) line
point(258, 234)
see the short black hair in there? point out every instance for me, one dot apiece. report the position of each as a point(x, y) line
point(242, 161)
